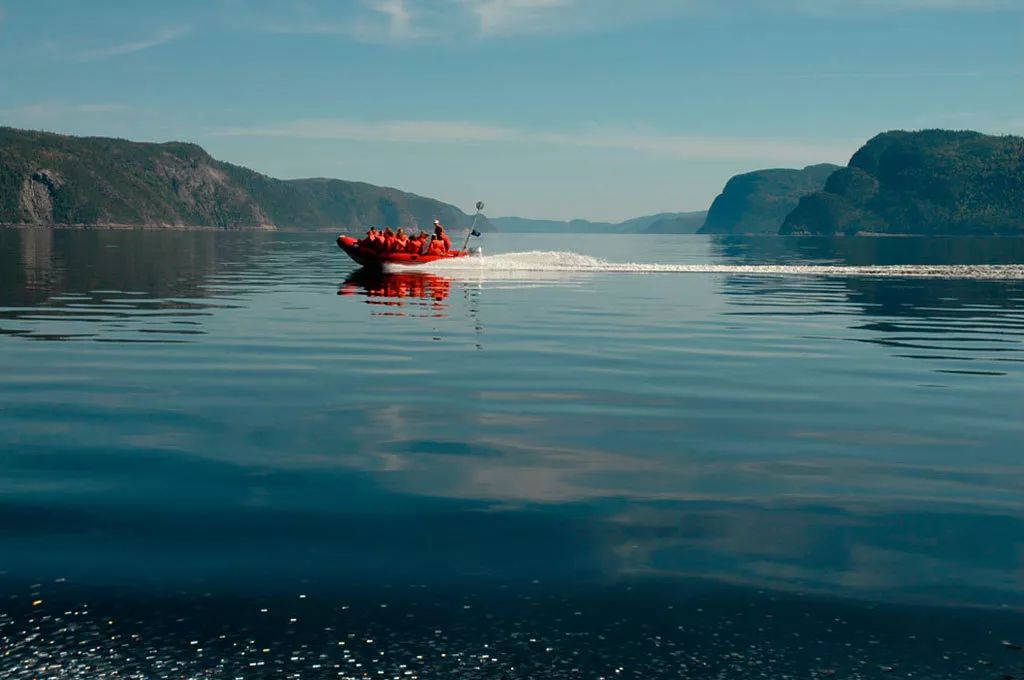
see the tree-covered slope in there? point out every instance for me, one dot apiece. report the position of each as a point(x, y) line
point(928, 182)
point(758, 202)
point(57, 179)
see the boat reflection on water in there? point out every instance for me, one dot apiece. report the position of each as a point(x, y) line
point(399, 289)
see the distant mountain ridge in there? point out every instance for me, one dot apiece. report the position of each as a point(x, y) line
point(678, 223)
point(758, 202)
point(925, 182)
point(663, 223)
point(48, 179)
point(929, 182)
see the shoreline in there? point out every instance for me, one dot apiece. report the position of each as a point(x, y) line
point(335, 230)
point(163, 227)
point(134, 227)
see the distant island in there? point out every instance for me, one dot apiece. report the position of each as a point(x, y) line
point(51, 179)
point(758, 202)
point(932, 182)
point(661, 223)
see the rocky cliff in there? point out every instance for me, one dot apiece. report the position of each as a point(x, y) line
point(57, 179)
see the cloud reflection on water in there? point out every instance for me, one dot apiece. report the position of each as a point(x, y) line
point(764, 431)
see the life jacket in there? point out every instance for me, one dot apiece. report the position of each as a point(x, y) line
point(437, 247)
point(442, 238)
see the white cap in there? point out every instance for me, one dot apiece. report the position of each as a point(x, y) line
point(437, 221)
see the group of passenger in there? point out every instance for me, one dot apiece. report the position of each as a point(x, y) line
point(388, 241)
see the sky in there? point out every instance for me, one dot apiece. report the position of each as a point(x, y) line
point(600, 109)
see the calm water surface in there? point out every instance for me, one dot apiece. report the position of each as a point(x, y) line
point(235, 455)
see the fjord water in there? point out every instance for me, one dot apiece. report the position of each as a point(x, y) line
point(236, 455)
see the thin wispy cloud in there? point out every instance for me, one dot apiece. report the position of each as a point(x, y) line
point(495, 17)
point(366, 21)
point(404, 20)
point(694, 147)
point(890, 75)
point(399, 18)
point(381, 20)
point(897, 6)
point(411, 20)
point(509, 18)
point(162, 37)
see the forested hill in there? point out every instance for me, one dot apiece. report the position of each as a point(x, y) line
point(928, 182)
point(759, 201)
point(47, 178)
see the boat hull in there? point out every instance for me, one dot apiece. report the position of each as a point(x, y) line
point(373, 258)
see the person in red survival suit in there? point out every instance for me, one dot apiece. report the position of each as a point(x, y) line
point(416, 242)
point(401, 240)
point(388, 241)
point(442, 243)
point(371, 240)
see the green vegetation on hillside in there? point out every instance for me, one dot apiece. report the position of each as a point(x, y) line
point(758, 202)
point(928, 182)
point(47, 178)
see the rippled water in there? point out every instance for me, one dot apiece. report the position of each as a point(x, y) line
point(574, 457)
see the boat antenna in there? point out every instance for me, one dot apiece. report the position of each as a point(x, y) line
point(472, 229)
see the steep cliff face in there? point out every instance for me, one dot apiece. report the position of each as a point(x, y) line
point(54, 179)
point(37, 196)
point(928, 182)
point(758, 202)
point(57, 179)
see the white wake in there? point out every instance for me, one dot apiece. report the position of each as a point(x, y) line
point(541, 262)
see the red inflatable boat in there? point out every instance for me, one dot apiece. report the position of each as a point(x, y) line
point(371, 257)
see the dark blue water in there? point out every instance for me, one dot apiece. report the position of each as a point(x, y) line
point(235, 455)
